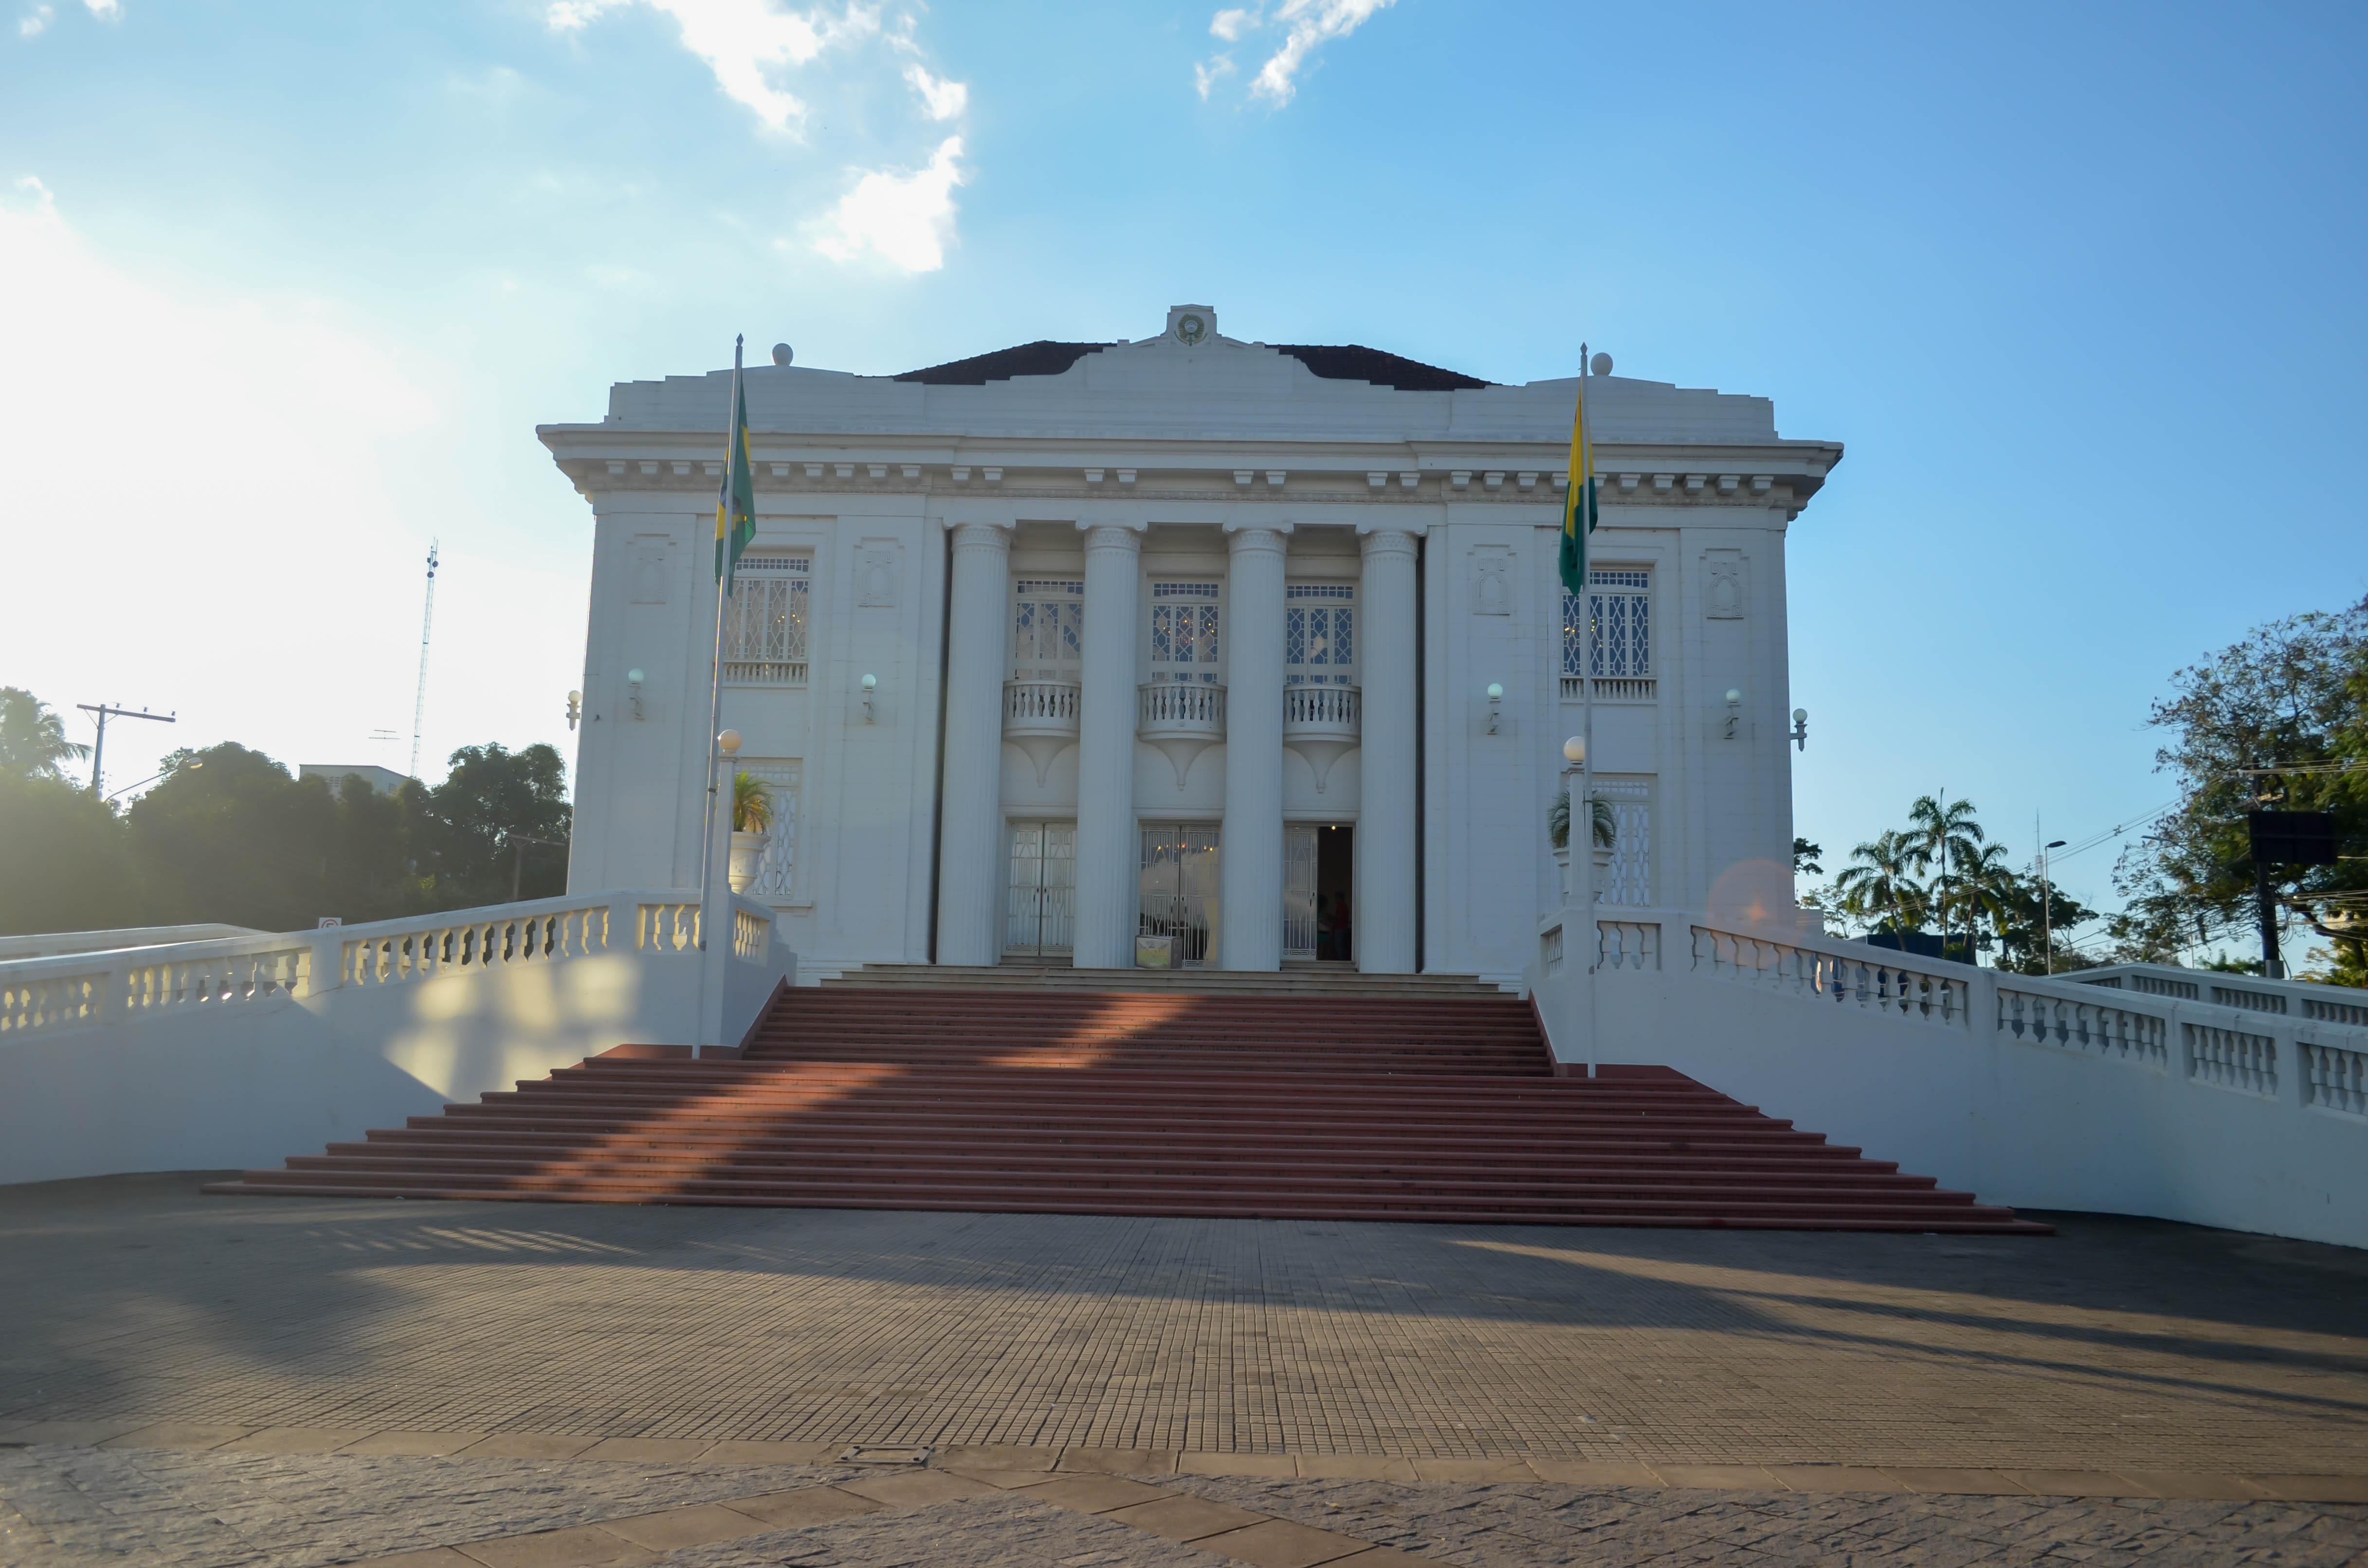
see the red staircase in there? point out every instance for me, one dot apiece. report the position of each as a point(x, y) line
point(1424, 1103)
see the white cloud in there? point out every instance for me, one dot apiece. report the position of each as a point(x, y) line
point(34, 21)
point(105, 10)
point(743, 42)
point(906, 218)
point(1307, 25)
point(1229, 26)
point(944, 99)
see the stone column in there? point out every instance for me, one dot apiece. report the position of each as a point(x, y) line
point(1250, 856)
point(970, 843)
point(1382, 927)
point(1109, 871)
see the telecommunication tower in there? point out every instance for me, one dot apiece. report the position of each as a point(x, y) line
point(427, 625)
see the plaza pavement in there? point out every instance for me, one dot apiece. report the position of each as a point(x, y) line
point(188, 1380)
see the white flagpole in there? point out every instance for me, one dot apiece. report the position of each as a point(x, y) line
point(1591, 935)
point(714, 923)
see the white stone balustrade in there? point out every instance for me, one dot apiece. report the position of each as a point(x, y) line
point(244, 1050)
point(1183, 719)
point(2115, 1033)
point(1041, 717)
point(2149, 1097)
point(1320, 722)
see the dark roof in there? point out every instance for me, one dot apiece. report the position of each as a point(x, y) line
point(1355, 363)
point(1041, 358)
point(1333, 361)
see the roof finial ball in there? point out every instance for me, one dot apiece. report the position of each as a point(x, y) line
point(782, 354)
point(1600, 364)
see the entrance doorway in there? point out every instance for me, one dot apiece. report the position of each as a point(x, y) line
point(1318, 891)
point(1180, 887)
point(1040, 904)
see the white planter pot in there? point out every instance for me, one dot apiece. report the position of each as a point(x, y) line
point(747, 854)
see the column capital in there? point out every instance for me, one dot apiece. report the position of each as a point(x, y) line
point(1124, 538)
point(968, 536)
point(1241, 537)
point(1088, 525)
point(1407, 526)
point(1373, 542)
point(987, 511)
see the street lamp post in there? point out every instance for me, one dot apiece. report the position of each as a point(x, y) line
point(2047, 904)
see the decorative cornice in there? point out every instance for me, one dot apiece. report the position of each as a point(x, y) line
point(1620, 484)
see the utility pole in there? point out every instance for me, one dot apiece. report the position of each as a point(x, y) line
point(427, 625)
point(98, 750)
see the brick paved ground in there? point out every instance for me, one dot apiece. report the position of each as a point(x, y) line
point(2117, 1345)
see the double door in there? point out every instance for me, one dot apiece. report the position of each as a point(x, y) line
point(1180, 888)
point(1041, 898)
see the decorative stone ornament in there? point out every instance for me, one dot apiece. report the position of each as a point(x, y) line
point(747, 855)
point(1192, 325)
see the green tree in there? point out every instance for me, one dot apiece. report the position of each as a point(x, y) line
point(470, 832)
point(2265, 724)
point(1805, 857)
point(32, 737)
point(1944, 836)
point(1879, 886)
point(227, 835)
point(65, 862)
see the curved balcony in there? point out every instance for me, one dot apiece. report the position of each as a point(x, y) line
point(1181, 718)
point(1040, 717)
point(1320, 722)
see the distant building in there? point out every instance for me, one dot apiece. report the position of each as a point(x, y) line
point(386, 780)
point(1256, 649)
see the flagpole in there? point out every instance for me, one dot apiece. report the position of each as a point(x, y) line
point(1591, 935)
point(711, 921)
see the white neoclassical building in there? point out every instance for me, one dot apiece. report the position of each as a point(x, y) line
point(1234, 654)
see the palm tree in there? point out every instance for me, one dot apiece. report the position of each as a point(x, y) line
point(752, 804)
point(1880, 882)
point(1598, 814)
point(32, 739)
point(1990, 885)
point(1947, 834)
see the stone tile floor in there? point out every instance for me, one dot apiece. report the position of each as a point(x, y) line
point(2122, 1346)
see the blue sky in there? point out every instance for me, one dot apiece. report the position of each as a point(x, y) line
point(289, 286)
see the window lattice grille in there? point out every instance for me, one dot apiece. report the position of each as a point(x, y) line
point(1048, 626)
point(777, 880)
point(1184, 632)
point(1319, 644)
point(1621, 622)
point(765, 622)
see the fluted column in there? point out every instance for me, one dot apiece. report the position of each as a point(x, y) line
point(969, 846)
point(1250, 856)
point(1108, 886)
point(1383, 923)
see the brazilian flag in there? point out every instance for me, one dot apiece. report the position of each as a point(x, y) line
point(735, 503)
point(1578, 500)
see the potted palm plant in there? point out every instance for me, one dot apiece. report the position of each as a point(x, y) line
point(752, 828)
point(1606, 832)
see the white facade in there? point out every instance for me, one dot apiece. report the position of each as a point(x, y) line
point(1188, 639)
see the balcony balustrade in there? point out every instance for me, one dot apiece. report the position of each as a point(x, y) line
point(1183, 719)
point(1040, 717)
point(1320, 722)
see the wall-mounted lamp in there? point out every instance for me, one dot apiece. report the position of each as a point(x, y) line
point(870, 685)
point(574, 708)
point(633, 690)
point(1800, 729)
point(1495, 705)
point(1733, 711)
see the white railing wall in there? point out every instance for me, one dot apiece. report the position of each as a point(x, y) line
point(238, 1052)
point(2040, 1092)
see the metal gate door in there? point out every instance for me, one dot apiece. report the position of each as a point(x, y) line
point(1039, 906)
point(1179, 886)
point(1298, 892)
